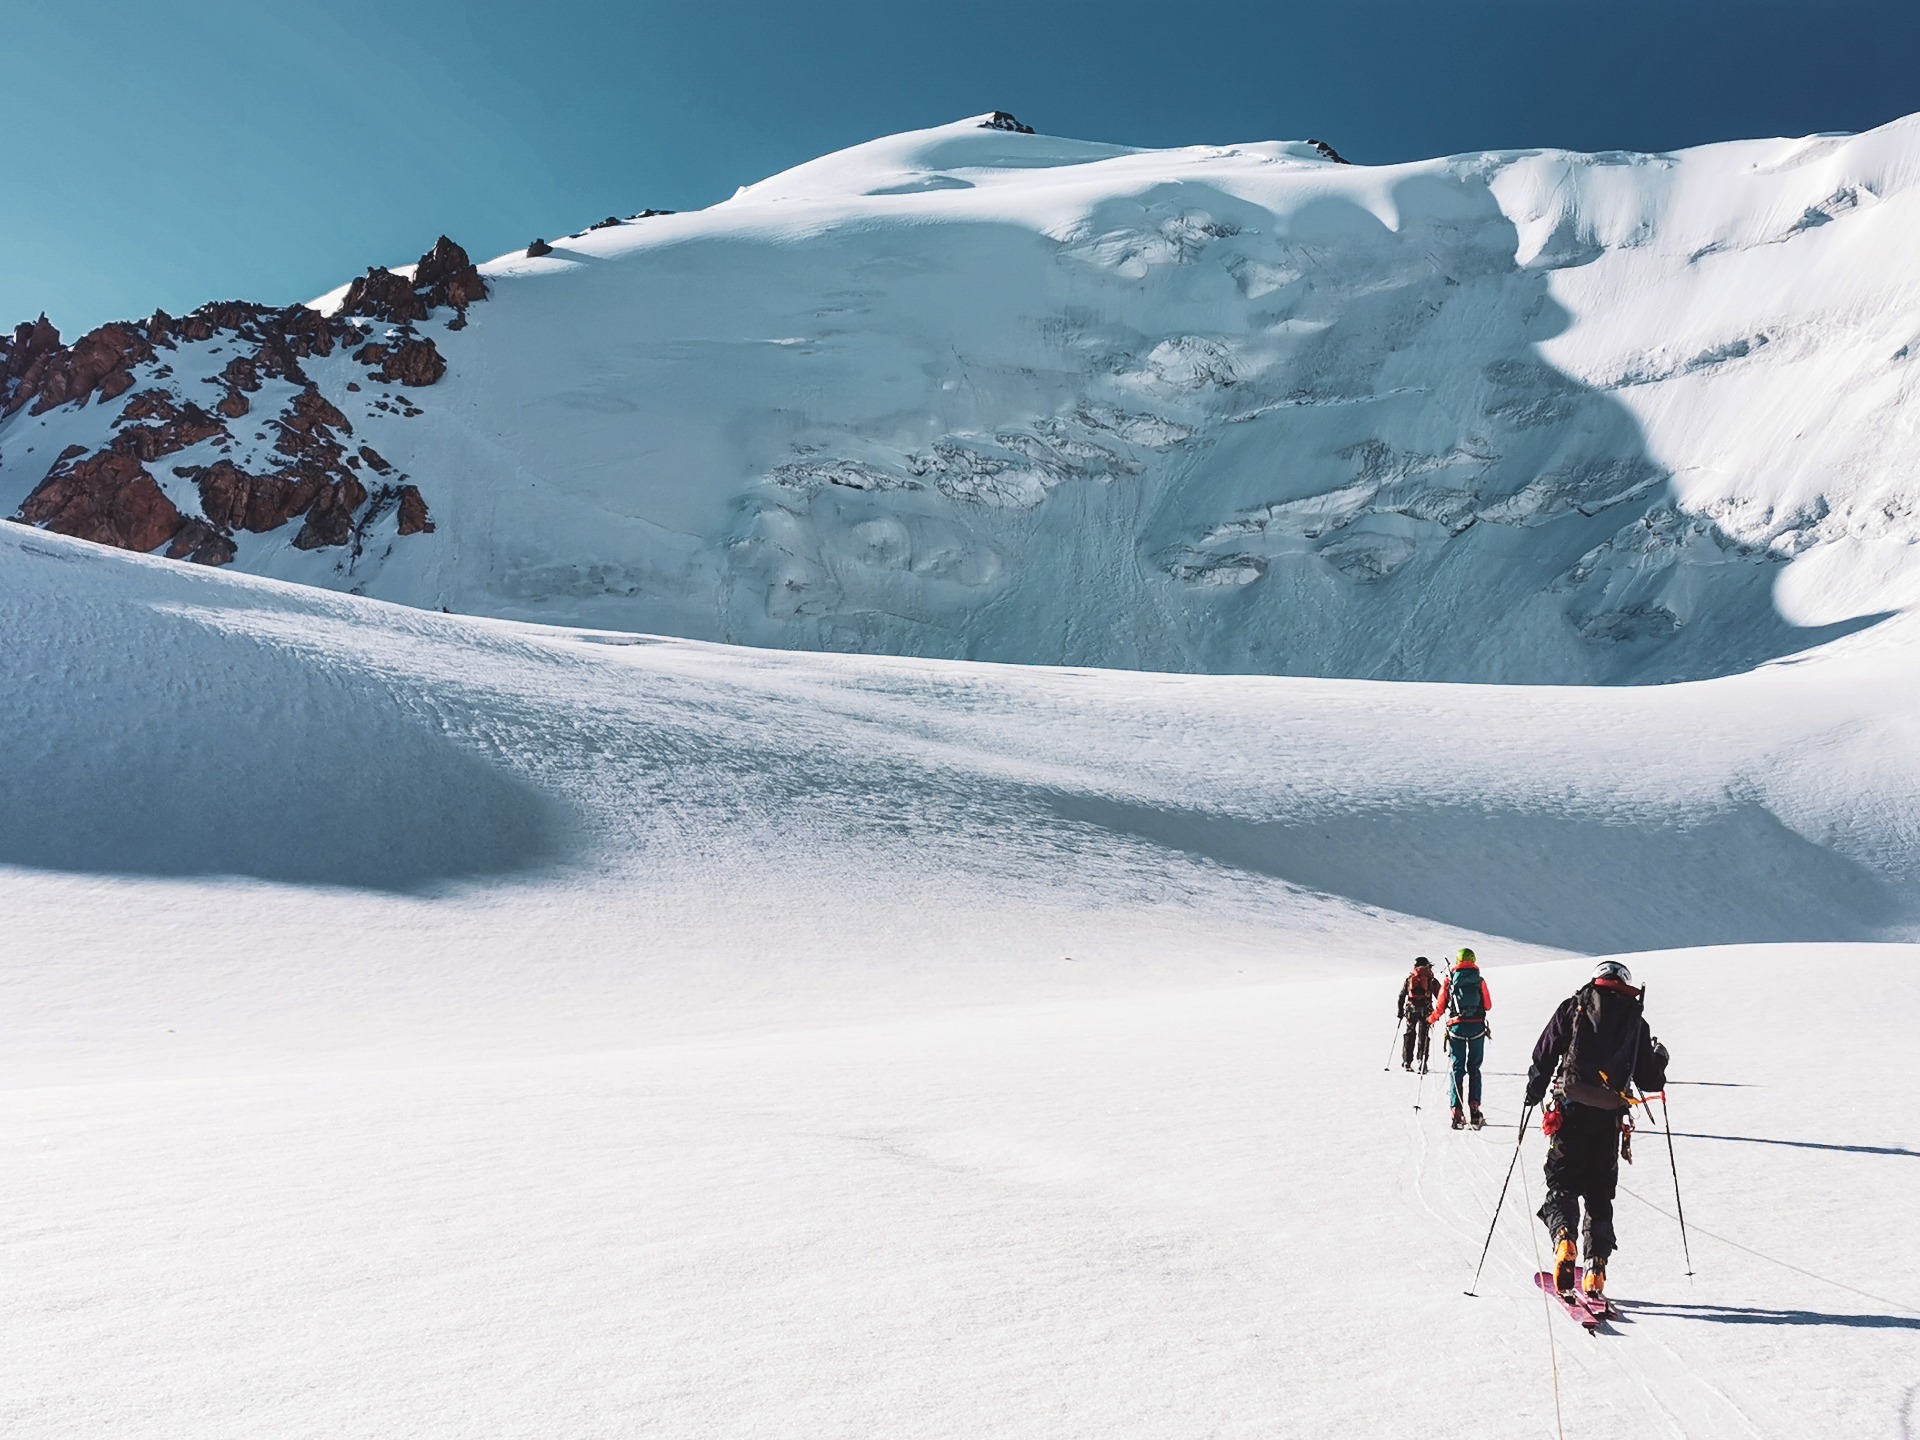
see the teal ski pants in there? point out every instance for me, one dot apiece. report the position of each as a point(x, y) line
point(1465, 1051)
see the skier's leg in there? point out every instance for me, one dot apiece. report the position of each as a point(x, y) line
point(1426, 1038)
point(1603, 1178)
point(1406, 1045)
point(1560, 1210)
point(1476, 1050)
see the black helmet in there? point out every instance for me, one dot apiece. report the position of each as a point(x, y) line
point(1423, 962)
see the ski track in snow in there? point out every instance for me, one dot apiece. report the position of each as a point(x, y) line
point(529, 1035)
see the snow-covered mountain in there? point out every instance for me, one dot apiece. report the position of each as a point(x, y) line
point(971, 392)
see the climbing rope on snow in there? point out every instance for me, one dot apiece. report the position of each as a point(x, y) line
point(1774, 1260)
point(1533, 1242)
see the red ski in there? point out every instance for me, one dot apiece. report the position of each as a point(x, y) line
point(1584, 1313)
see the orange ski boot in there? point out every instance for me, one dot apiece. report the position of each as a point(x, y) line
point(1565, 1265)
point(1593, 1284)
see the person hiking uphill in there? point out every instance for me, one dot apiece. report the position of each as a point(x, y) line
point(1418, 992)
point(1594, 1048)
point(1465, 1000)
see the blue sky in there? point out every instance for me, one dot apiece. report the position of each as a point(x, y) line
point(166, 152)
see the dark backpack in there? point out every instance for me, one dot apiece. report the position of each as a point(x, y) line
point(1467, 1001)
point(1609, 1060)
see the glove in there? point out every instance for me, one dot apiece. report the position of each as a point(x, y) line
point(1535, 1093)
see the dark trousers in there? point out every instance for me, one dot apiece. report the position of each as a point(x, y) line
point(1583, 1165)
point(1418, 1035)
point(1465, 1052)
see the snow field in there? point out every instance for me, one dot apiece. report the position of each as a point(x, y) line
point(1187, 1212)
point(536, 1032)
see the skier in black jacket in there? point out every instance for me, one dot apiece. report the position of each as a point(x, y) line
point(1594, 1049)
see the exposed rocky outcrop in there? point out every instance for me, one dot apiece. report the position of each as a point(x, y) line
point(100, 361)
point(448, 277)
point(1001, 120)
point(108, 498)
point(414, 360)
point(292, 461)
point(177, 425)
point(330, 516)
point(21, 354)
point(202, 544)
point(443, 276)
point(232, 499)
point(1327, 150)
point(538, 248)
point(607, 224)
point(413, 511)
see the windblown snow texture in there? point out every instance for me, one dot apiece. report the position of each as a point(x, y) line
point(458, 1027)
point(969, 392)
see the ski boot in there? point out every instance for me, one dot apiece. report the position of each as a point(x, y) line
point(1476, 1121)
point(1406, 1065)
point(1593, 1284)
point(1459, 1118)
point(1565, 1264)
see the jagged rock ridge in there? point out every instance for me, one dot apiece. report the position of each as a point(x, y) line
point(187, 410)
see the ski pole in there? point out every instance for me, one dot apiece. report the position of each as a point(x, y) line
point(1525, 1115)
point(1397, 1020)
point(1679, 1213)
point(1420, 1087)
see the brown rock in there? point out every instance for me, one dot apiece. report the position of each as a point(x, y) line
point(374, 458)
point(413, 512)
point(414, 361)
point(107, 498)
point(101, 360)
point(217, 315)
point(384, 295)
point(234, 500)
point(448, 276)
point(301, 332)
point(25, 352)
point(148, 405)
point(443, 276)
point(179, 427)
point(330, 517)
point(202, 544)
point(538, 248)
point(307, 429)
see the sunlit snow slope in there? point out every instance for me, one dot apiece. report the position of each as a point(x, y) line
point(976, 394)
point(429, 1026)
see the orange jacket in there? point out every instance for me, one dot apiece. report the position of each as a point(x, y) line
point(1446, 991)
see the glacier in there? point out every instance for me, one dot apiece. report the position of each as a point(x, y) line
point(966, 393)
